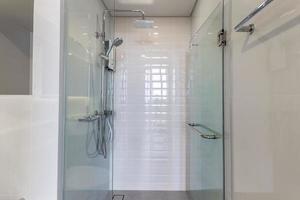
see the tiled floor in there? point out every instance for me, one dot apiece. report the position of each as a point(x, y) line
point(151, 195)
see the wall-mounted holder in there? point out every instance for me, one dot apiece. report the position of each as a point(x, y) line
point(241, 27)
point(247, 29)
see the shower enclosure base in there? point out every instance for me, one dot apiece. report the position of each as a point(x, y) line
point(151, 195)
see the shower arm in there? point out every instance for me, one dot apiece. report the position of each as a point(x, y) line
point(105, 12)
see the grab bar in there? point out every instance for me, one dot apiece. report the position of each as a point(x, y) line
point(213, 136)
point(241, 27)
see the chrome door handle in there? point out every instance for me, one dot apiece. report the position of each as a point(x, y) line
point(213, 136)
point(193, 124)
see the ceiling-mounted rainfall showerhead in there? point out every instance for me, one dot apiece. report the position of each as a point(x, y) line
point(143, 23)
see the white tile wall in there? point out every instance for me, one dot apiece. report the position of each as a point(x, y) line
point(266, 109)
point(150, 105)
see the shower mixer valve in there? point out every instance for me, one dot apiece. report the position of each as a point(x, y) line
point(91, 118)
point(96, 116)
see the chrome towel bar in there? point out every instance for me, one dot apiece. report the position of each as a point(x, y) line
point(241, 27)
point(212, 135)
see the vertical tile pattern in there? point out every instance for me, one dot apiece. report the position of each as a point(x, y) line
point(150, 105)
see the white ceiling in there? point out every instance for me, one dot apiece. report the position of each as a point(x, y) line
point(161, 8)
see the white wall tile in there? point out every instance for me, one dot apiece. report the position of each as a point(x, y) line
point(149, 125)
point(265, 67)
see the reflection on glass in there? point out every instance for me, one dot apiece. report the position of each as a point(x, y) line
point(205, 107)
point(156, 85)
point(87, 171)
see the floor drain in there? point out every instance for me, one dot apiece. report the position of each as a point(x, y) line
point(119, 197)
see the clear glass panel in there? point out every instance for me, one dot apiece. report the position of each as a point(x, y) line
point(87, 142)
point(205, 111)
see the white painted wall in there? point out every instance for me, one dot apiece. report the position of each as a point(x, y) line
point(29, 124)
point(150, 105)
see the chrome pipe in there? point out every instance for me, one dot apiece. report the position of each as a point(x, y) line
point(105, 12)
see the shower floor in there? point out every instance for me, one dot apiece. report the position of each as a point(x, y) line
point(150, 195)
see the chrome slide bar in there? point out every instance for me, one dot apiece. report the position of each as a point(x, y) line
point(209, 136)
point(241, 27)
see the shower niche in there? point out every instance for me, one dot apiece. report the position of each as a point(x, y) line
point(16, 39)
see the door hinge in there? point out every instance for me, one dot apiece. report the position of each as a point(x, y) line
point(222, 38)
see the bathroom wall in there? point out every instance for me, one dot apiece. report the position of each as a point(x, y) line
point(16, 23)
point(150, 105)
point(29, 124)
point(15, 60)
point(266, 96)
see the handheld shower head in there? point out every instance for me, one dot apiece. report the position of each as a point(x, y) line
point(117, 42)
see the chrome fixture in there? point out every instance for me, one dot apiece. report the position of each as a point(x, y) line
point(117, 42)
point(222, 38)
point(98, 134)
point(90, 118)
point(241, 27)
point(143, 23)
point(211, 135)
point(96, 116)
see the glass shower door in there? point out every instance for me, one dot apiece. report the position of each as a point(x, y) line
point(87, 136)
point(205, 111)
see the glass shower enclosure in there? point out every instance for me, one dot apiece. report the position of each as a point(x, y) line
point(205, 113)
point(88, 91)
